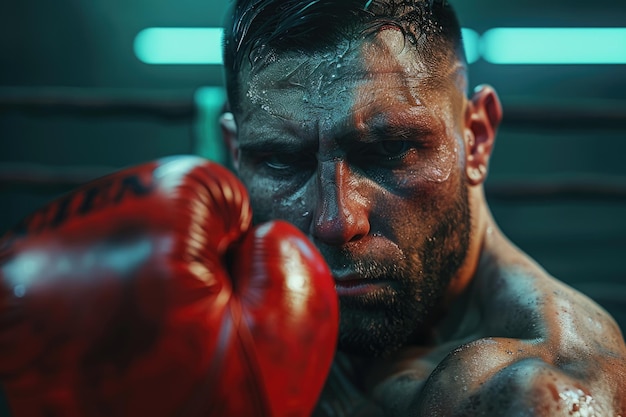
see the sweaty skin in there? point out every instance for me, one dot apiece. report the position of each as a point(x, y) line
point(380, 158)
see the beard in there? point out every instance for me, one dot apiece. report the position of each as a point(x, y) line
point(384, 321)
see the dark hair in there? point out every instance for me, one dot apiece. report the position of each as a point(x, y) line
point(256, 27)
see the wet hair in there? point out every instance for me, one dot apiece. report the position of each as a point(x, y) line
point(257, 27)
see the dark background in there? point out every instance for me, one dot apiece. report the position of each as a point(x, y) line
point(557, 177)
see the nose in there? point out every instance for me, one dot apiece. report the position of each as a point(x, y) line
point(341, 214)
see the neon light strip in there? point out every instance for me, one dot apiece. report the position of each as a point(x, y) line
point(190, 46)
point(203, 46)
point(471, 43)
point(554, 46)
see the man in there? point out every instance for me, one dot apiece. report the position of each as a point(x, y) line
point(350, 120)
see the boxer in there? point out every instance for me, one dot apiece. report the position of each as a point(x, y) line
point(352, 120)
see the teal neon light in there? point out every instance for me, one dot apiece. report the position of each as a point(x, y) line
point(554, 46)
point(471, 43)
point(202, 46)
point(189, 46)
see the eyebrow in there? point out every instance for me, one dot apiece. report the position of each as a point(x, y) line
point(273, 145)
point(386, 131)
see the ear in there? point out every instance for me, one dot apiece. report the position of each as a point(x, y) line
point(483, 116)
point(229, 136)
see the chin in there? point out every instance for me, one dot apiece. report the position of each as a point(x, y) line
point(376, 333)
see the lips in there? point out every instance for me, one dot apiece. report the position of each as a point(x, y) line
point(353, 285)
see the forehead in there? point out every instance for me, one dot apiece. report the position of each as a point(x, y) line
point(384, 70)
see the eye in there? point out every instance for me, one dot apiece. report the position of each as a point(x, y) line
point(286, 164)
point(281, 161)
point(391, 148)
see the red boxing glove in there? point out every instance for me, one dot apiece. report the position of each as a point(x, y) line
point(147, 293)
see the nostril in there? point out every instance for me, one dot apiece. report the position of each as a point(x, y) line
point(357, 237)
point(340, 229)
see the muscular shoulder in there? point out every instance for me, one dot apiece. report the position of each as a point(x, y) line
point(517, 299)
point(543, 349)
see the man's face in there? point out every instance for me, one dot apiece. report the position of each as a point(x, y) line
point(362, 149)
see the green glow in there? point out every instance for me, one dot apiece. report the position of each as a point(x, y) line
point(190, 46)
point(554, 46)
point(471, 43)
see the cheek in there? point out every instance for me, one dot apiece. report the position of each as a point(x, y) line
point(430, 177)
point(271, 201)
point(444, 163)
point(411, 214)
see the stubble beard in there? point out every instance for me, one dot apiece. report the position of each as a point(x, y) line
point(384, 322)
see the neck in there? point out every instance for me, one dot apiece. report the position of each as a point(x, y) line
point(482, 223)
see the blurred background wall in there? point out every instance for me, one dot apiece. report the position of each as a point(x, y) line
point(76, 102)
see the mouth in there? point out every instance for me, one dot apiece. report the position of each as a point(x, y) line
point(353, 286)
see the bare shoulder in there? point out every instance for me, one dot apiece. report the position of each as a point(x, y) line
point(542, 349)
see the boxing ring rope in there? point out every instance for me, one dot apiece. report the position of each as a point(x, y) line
point(521, 113)
point(559, 188)
point(47, 178)
point(172, 106)
point(181, 107)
